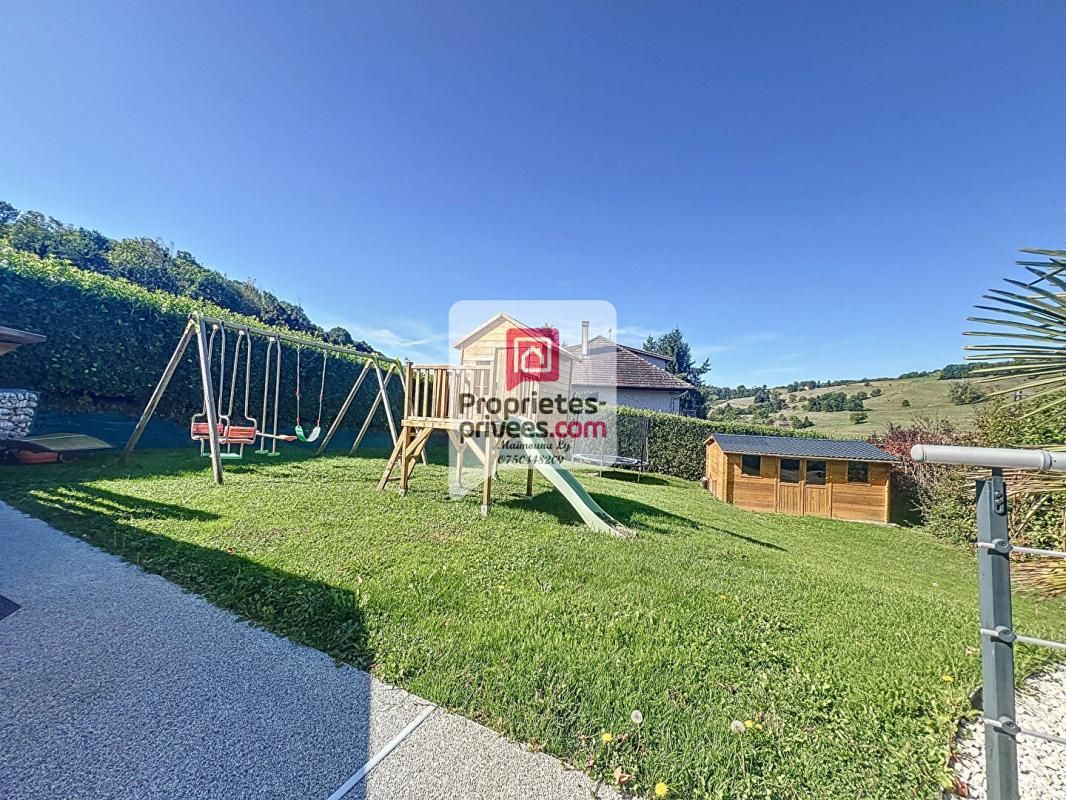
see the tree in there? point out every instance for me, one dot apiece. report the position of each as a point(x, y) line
point(905, 403)
point(952, 371)
point(339, 335)
point(1026, 338)
point(47, 236)
point(829, 401)
point(673, 346)
point(854, 403)
point(8, 213)
point(858, 417)
point(875, 392)
point(964, 393)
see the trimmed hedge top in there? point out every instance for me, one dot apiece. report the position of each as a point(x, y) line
point(109, 339)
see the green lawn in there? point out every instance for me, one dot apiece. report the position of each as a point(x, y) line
point(831, 639)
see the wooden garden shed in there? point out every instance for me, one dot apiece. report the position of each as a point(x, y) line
point(816, 477)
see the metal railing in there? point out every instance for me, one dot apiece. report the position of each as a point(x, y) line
point(994, 588)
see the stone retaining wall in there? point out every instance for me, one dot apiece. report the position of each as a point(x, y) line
point(17, 407)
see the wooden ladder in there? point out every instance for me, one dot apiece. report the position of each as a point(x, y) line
point(409, 448)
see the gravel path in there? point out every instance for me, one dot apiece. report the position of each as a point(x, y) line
point(117, 684)
point(1041, 764)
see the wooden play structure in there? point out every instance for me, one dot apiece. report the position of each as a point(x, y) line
point(437, 398)
point(225, 426)
point(842, 479)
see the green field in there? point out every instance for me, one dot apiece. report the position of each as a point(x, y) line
point(845, 651)
point(928, 397)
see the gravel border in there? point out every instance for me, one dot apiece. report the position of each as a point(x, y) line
point(1041, 764)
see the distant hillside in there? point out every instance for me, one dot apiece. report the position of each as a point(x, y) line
point(154, 265)
point(888, 400)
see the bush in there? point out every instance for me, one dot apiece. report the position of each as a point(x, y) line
point(858, 417)
point(943, 496)
point(109, 339)
point(875, 393)
point(905, 403)
point(939, 496)
point(964, 393)
point(677, 445)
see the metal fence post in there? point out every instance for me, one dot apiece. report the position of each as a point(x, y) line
point(997, 650)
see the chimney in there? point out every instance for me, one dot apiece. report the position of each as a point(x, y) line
point(584, 337)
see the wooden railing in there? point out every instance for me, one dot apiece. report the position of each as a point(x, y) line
point(434, 390)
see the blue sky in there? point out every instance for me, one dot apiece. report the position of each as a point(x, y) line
point(809, 190)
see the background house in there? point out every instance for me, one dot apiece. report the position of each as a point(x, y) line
point(640, 377)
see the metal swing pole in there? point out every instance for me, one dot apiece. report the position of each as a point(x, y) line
point(344, 408)
point(157, 393)
point(373, 410)
point(209, 400)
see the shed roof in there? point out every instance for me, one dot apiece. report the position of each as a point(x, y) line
point(792, 447)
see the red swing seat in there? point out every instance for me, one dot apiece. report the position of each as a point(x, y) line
point(227, 434)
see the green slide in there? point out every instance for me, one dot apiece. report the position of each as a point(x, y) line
point(575, 494)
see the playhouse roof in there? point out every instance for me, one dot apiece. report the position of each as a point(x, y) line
point(792, 447)
point(498, 319)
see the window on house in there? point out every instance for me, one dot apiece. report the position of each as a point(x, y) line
point(790, 470)
point(816, 473)
point(751, 465)
point(858, 472)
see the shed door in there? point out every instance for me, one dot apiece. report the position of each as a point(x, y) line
point(790, 487)
point(816, 490)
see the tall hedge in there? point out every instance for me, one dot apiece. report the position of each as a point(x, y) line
point(109, 340)
point(676, 444)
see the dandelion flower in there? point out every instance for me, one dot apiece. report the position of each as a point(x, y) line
point(661, 789)
point(947, 678)
point(758, 726)
point(636, 717)
point(749, 724)
point(606, 737)
point(736, 726)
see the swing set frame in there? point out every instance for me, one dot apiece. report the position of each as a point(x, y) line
point(383, 368)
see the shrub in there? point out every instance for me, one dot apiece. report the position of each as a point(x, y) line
point(677, 445)
point(858, 417)
point(964, 393)
point(109, 339)
point(905, 403)
point(936, 495)
point(943, 496)
point(875, 393)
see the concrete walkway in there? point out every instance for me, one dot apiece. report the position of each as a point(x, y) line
point(117, 684)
